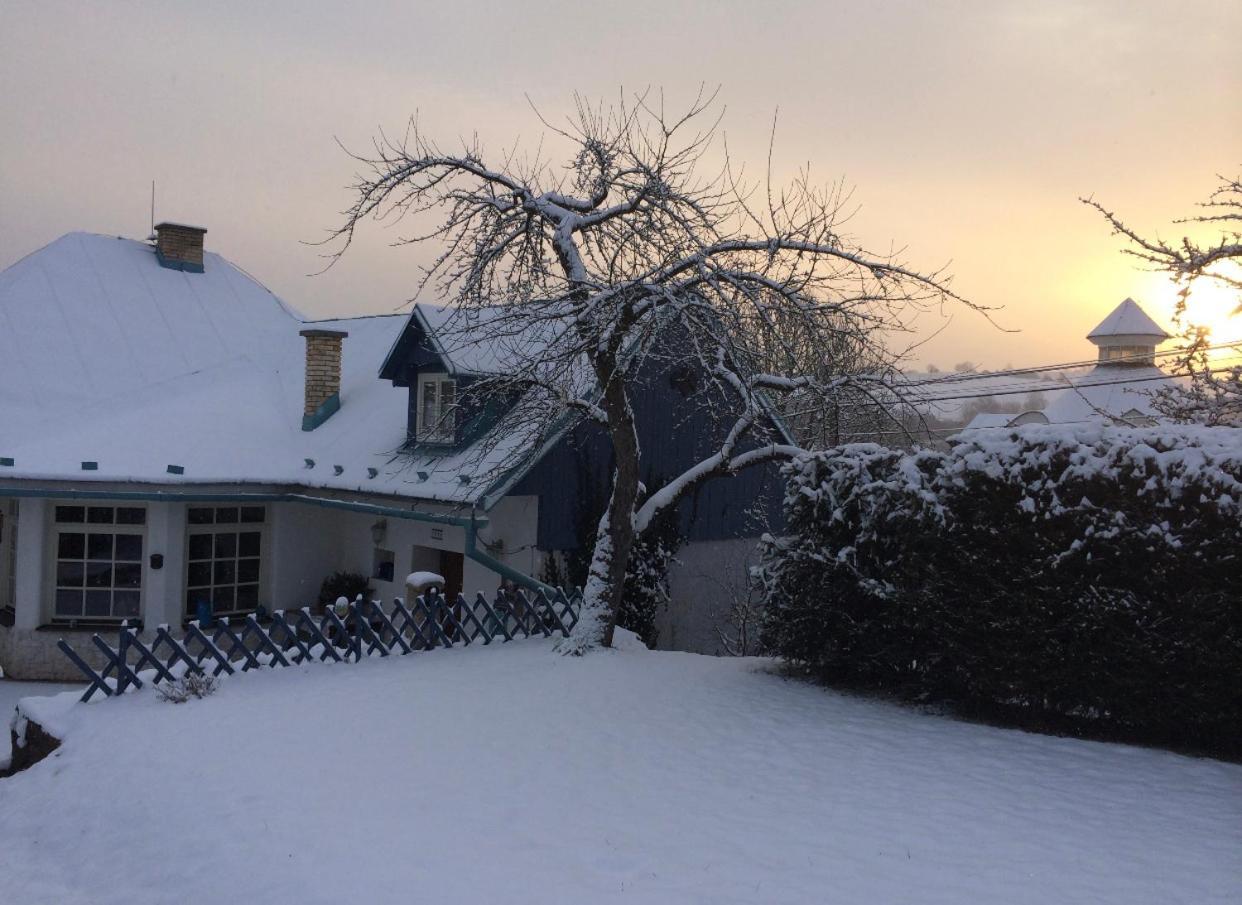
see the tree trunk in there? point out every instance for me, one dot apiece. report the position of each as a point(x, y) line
point(615, 536)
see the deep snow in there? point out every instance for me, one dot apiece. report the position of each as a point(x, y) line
point(516, 775)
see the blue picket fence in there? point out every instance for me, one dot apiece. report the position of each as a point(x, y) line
point(365, 629)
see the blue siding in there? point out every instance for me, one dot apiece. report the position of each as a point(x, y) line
point(576, 475)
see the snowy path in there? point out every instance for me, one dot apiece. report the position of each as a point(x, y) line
point(515, 775)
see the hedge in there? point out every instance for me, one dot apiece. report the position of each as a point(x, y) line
point(1087, 579)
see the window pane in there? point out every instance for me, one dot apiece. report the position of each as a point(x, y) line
point(199, 515)
point(226, 515)
point(247, 570)
point(99, 546)
point(68, 603)
point(129, 547)
point(71, 546)
point(70, 574)
point(247, 596)
point(70, 514)
point(131, 515)
point(200, 546)
point(98, 603)
point(199, 574)
point(100, 515)
point(226, 545)
point(430, 414)
point(127, 575)
point(225, 572)
point(248, 543)
point(99, 575)
point(252, 514)
point(223, 599)
point(125, 604)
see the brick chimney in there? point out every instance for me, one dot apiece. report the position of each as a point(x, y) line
point(179, 247)
point(323, 376)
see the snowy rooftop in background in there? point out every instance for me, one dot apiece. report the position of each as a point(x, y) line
point(1117, 388)
point(107, 357)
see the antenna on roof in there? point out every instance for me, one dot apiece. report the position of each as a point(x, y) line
point(151, 237)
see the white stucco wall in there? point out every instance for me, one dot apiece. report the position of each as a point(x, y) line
point(703, 585)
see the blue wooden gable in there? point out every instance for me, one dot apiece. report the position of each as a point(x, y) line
point(575, 475)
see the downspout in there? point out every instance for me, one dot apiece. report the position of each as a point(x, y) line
point(494, 565)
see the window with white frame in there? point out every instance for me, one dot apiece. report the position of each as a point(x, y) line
point(437, 413)
point(224, 558)
point(98, 550)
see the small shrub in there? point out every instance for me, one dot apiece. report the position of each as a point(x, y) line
point(190, 685)
point(343, 584)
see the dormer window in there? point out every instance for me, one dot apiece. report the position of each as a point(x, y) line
point(437, 408)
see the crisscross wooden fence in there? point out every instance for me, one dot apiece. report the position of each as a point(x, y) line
point(366, 629)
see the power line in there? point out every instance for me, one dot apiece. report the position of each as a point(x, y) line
point(1069, 365)
point(1012, 389)
point(1068, 387)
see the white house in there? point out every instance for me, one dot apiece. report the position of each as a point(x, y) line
point(172, 433)
point(1117, 388)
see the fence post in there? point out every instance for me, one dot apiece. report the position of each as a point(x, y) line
point(122, 655)
point(359, 606)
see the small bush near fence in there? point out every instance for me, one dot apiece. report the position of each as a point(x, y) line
point(1086, 579)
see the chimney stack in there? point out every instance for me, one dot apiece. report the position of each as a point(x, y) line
point(323, 376)
point(179, 247)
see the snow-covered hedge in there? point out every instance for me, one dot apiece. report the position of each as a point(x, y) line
point(1048, 573)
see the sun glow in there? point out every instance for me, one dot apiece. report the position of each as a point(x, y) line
point(1212, 306)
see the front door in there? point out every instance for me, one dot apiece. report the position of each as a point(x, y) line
point(451, 567)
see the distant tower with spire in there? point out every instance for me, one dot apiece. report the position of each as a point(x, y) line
point(1127, 337)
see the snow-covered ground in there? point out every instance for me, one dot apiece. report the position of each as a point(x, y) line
point(517, 775)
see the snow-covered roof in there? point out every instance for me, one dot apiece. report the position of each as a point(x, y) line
point(107, 357)
point(471, 341)
point(1119, 393)
point(1128, 320)
point(989, 420)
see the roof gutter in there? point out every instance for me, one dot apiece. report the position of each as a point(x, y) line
point(165, 496)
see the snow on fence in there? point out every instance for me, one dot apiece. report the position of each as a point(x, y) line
point(363, 630)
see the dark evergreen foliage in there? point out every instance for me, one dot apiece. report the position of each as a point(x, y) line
point(646, 572)
point(343, 584)
point(1084, 581)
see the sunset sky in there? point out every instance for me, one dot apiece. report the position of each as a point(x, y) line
point(969, 130)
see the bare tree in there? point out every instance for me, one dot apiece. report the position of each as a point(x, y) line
point(1212, 395)
point(578, 277)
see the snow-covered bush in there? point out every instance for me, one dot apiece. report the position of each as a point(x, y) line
point(184, 687)
point(1088, 574)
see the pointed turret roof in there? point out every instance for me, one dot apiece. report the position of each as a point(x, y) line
point(1130, 320)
